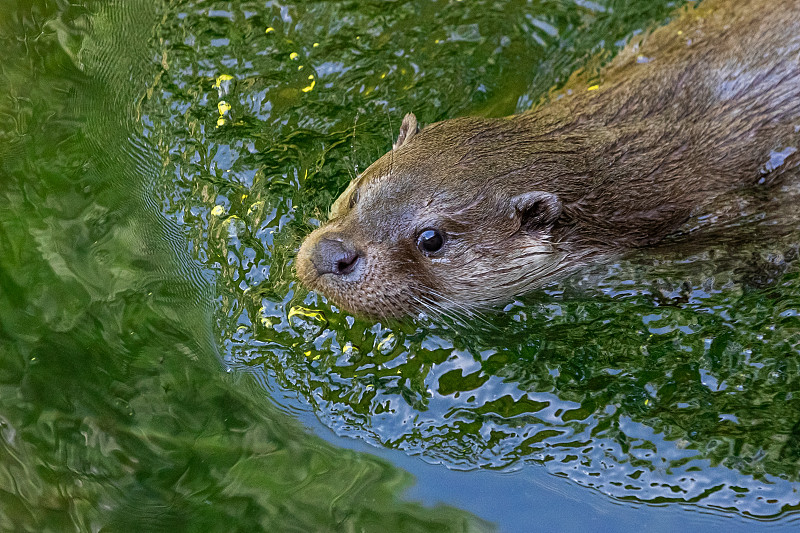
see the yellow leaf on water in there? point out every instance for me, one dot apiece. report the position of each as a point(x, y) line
point(389, 338)
point(255, 207)
point(302, 311)
point(222, 78)
point(310, 87)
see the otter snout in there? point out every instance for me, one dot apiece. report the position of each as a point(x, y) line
point(334, 254)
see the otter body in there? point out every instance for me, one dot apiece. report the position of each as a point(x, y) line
point(468, 213)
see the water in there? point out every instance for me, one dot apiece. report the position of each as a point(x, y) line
point(161, 368)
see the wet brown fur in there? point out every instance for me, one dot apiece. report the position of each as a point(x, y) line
point(697, 108)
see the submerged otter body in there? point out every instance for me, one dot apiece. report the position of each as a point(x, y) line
point(470, 212)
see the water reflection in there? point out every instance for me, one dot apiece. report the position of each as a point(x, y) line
point(114, 412)
point(637, 383)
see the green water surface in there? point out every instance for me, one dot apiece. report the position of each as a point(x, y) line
point(162, 370)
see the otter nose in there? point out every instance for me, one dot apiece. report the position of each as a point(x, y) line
point(335, 255)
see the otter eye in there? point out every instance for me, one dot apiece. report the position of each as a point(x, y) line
point(430, 241)
point(353, 199)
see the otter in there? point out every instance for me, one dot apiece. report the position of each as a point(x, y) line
point(465, 214)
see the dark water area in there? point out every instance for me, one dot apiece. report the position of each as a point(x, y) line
point(161, 369)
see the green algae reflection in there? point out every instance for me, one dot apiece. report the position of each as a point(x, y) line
point(115, 414)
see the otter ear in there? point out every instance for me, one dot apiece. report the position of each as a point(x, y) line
point(536, 209)
point(408, 129)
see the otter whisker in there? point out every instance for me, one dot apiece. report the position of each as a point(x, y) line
point(471, 314)
point(455, 315)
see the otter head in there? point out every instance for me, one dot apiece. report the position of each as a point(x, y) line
point(432, 226)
